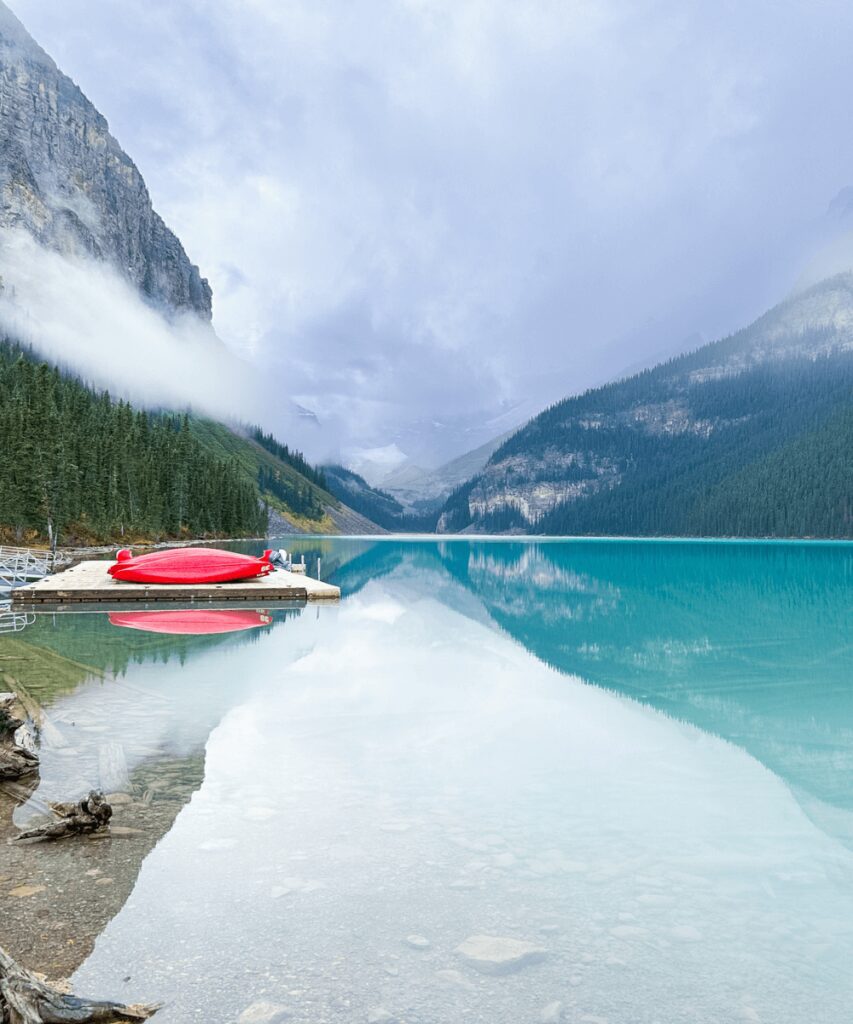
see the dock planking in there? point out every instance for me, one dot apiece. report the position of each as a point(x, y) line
point(90, 582)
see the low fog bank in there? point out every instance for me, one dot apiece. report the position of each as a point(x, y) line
point(83, 315)
point(80, 314)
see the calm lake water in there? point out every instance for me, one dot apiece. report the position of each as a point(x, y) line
point(637, 757)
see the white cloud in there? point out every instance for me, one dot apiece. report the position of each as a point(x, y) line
point(83, 315)
point(439, 209)
point(374, 463)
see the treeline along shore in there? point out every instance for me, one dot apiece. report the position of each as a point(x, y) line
point(77, 463)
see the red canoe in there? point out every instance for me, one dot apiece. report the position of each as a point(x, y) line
point(189, 565)
point(201, 622)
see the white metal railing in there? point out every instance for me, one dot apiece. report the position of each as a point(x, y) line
point(13, 621)
point(21, 565)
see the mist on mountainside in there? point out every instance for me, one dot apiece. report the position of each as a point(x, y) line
point(81, 314)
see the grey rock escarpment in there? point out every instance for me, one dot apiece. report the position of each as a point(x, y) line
point(66, 181)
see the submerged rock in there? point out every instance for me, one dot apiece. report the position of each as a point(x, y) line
point(119, 799)
point(491, 954)
point(264, 1013)
point(451, 977)
point(379, 1015)
point(21, 892)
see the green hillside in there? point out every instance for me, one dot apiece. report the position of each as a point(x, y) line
point(302, 501)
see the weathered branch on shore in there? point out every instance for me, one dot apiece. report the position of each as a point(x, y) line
point(15, 760)
point(9, 721)
point(91, 814)
point(26, 998)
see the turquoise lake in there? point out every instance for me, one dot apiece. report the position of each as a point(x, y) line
point(630, 762)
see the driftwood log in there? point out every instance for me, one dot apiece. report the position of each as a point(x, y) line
point(15, 761)
point(91, 814)
point(9, 721)
point(25, 998)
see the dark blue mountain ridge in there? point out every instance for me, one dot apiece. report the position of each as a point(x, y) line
point(747, 436)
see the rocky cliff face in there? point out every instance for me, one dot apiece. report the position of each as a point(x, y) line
point(65, 179)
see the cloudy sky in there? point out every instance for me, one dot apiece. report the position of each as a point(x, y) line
point(429, 218)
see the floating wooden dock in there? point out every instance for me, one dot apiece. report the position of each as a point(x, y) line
point(91, 583)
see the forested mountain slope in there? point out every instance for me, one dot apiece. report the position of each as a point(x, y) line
point(76, 463)
point(747, 436)
point(377, 505)
point(300, 497)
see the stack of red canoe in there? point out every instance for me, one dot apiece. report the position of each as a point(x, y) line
point(189, 565)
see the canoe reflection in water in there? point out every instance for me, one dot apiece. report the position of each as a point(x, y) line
point(195, 622)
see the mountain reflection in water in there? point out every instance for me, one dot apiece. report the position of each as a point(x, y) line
point(749, 641)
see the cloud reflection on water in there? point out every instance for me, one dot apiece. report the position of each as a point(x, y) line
point(394, 766)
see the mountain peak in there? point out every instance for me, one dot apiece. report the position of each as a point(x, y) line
point(13, 34)
point(66, 181)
